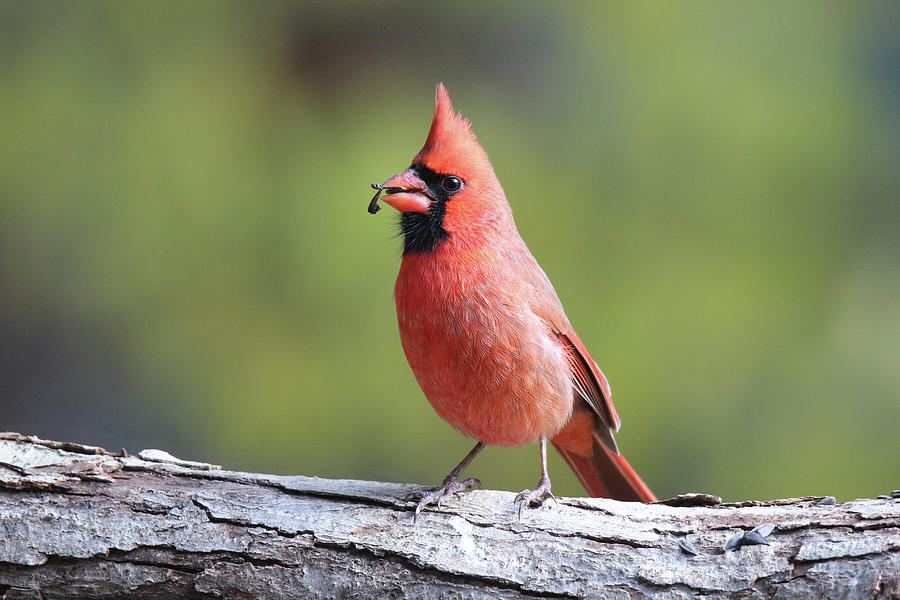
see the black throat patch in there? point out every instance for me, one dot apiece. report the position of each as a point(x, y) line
point(422, 232)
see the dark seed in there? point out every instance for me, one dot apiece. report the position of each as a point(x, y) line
point(687, 547)
point(373, 205)
point(753, 538)
point(735, 541)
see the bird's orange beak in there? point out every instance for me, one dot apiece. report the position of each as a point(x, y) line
point(406, 192)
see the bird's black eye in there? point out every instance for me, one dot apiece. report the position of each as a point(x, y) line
point(452, 183)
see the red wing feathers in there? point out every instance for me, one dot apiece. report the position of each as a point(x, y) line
point(590, 382)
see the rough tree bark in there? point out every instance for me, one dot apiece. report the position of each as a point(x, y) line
point(80, 522)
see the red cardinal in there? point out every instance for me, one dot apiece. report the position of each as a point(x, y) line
point(483, 329)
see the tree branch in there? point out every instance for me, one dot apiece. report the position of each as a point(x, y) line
point(80, 522)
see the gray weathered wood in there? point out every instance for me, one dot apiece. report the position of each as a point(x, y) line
point(79, 522)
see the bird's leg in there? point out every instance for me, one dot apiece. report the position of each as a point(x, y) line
point(542, 491)
point(452, 485)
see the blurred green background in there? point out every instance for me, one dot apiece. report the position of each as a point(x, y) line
point(186, 260)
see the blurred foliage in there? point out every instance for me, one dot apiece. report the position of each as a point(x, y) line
point(186, 260)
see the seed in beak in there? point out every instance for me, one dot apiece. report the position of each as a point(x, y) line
point(373, 205)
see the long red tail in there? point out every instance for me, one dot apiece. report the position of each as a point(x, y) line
point(607, 475)
point(603, 473)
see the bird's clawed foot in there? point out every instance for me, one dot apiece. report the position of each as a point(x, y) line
point(438, 495)
point(537, 496)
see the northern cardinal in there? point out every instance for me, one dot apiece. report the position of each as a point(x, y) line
point(483, 328)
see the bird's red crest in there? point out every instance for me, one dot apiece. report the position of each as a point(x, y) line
point(451, 145)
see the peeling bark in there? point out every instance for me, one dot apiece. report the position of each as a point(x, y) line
point(80, 522)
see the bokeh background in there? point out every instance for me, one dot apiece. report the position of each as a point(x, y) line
point(186, 260)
